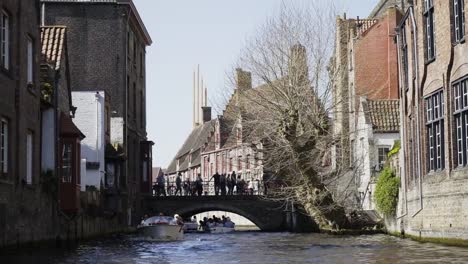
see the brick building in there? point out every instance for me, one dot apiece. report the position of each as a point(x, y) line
point(434, 100)
point(364, 64)
point(107, 43)
point(363, 69)
point(21, 197)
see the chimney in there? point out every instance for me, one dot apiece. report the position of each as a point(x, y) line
point(243, 79)
point(206, 114)
point(298, 68)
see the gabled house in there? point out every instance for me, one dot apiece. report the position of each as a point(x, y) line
point(377, 131)
point(364, 65)
point(227, 149)
point(61, 147)
point(107, 45)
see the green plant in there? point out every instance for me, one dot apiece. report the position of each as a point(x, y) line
point(395, 149)
point(46, 92)
point(386, 191)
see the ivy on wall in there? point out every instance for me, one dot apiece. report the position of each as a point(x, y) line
point(386, 191)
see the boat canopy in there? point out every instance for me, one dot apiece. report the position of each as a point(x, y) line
point(159, 220)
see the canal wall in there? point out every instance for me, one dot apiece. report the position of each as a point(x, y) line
point(433, 209)
point(28, 216)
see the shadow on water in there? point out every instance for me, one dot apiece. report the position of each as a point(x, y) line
point(244, 247)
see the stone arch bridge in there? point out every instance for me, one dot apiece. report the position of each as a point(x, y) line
point(266, 214)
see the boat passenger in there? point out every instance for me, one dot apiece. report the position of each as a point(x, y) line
point(229, 223)
point(178, 220)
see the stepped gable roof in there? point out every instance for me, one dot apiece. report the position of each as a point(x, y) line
point(194, 142)
point(363, 25)
point(384, 115)
point(53, 45)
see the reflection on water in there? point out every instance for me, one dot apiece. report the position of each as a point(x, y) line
point(250, 247)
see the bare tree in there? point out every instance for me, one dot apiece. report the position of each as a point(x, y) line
point(289, 110)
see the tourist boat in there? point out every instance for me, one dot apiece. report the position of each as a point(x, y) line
point(220, 229)
point(161, 228)
point(190, 227)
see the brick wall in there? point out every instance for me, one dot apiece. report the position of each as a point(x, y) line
point(442, 211)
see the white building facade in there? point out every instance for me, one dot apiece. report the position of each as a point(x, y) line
point(376, 134)
point(90, 119)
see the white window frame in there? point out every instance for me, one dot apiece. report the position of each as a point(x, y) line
point(3, 146)
point(429, 23)
point(435, 131)
point(29, 157)
point(460, 90)
point(30, 60)
point(5, 40)
point(386, 150)
point(459, 19)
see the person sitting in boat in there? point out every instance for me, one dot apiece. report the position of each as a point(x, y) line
point(178, 220)
point(229, 223)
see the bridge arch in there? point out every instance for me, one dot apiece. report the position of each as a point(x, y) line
point(266, 215)
point(193, 210)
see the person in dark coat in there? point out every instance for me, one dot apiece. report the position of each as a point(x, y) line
point(216, 178)
point(233, 181)
point(229, 184)
point(178, 185)
point(222, 184)
point(199, 185)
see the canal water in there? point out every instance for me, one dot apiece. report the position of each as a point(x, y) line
point(248, 247)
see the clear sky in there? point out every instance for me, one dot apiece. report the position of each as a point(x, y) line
point(206, 32)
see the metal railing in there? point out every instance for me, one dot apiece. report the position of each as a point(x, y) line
point(208, 188)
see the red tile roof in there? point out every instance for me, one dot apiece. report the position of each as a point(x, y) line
point(53, 43)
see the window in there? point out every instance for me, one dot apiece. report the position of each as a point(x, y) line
point(239, 163)
point(460, 91)
point(67, 161)
point(230, 164)
point(404, 48)
point(435, 131)
point(239, 134)
point(30, 69)
point(145, 171)
point(458, 19)
point(142, 110)
point(141, 62)
point(429, 25)
point(5, 40)
point(382, 156)
point(110, 174)
point(3, 146)
point(29, 157)
point(128, 97)
point(134, 101)
point(247, 163)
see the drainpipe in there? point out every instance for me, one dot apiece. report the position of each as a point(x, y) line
point(402, 125)
point(418, 125)
point(97, 139)
point(97, 125)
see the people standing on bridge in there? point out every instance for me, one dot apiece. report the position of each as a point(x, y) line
point(250, 187)
point(178, 185)
point(229, 184)
point(161, 190)
point(187, 187)
point(240, 185)
point(199, 185)
point(233, 182)
point(216, 178)
point(222, 184)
